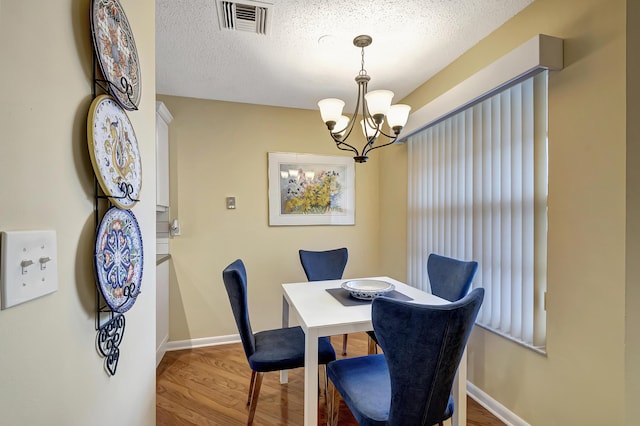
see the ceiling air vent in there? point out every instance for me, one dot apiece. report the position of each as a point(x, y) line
point(249, 16)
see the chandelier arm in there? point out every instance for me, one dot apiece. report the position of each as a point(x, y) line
point(348, 129)
point(339, 144)
point(366, 115)
point(365, 130)
point(345, 137)
point(362, 90)
point(371, 139)
point(350, 149)
point(371, 147)
point(351, 124)
point(388, 136)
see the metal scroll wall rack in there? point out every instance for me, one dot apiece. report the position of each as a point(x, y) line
point(110, 324)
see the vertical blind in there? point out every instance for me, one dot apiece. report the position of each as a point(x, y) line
point(478, 190)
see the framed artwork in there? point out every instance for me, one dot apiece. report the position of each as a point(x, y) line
point(307, 189)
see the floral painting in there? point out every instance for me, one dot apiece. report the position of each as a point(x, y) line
point(307, 189)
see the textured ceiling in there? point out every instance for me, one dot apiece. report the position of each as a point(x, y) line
point(412, 40)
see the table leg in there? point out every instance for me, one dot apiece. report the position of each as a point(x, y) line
point(460, 393)
point(311, 378)
point(285, 312)
point(284, 374)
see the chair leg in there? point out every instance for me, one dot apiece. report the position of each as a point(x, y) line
point(322, 390)
point(344, 344)
point(251, 385)
point(373, 347)
point(334, 405)
point(323, 379)
point(254, 397)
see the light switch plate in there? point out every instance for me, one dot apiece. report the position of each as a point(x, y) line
point(231, 203)
point(29, 266)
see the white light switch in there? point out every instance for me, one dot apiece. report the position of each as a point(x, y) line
point(29, 266)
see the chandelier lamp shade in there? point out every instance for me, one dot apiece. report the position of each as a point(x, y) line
point(371, 107)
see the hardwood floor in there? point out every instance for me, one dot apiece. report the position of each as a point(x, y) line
point(209, 386)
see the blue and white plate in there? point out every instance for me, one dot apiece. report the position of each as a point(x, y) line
point(119, 259)
point(367, 289)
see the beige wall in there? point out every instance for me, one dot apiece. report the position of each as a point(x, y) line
point(632, 354)
point(51, 372)
point(581, 381)
point(219, 149)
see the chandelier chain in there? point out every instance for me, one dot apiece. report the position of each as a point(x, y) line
point(362, 70)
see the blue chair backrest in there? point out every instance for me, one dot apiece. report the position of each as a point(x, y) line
point(450, 278)
point(235, 281)
point(324, 265)
point(423, 346)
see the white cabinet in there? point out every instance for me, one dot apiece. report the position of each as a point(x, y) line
point(163, 118)
point(162, 309)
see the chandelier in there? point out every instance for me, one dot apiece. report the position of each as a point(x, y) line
point(372, 107)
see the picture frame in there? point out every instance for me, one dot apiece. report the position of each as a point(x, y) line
point(309, 189)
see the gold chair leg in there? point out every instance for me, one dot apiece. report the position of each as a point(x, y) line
point(257, 382)
point(334, 404)
point(344, 344)
point(373, 347)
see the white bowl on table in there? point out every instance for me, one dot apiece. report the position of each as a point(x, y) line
point(367, 289)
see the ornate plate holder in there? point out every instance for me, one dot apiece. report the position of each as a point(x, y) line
point(117, 165)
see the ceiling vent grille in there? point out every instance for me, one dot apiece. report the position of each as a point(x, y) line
point(249, 16)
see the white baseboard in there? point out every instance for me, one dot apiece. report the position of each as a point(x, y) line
point(160, 351)
point(493, 406)
point(200, 343)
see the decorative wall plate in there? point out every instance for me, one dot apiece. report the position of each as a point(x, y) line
point(116, 52)
point(114, 152)
point(119, 259)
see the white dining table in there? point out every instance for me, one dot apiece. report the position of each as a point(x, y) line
point(320, 314)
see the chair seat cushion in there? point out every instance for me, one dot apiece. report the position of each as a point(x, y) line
point(283, 349)
point(365, 387)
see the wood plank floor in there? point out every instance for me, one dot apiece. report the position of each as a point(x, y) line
point(209, 386)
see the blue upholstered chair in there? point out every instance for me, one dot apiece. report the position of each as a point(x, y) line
point(450, 279)
point(269, 350)
point(325, 265)
point(410, 384)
